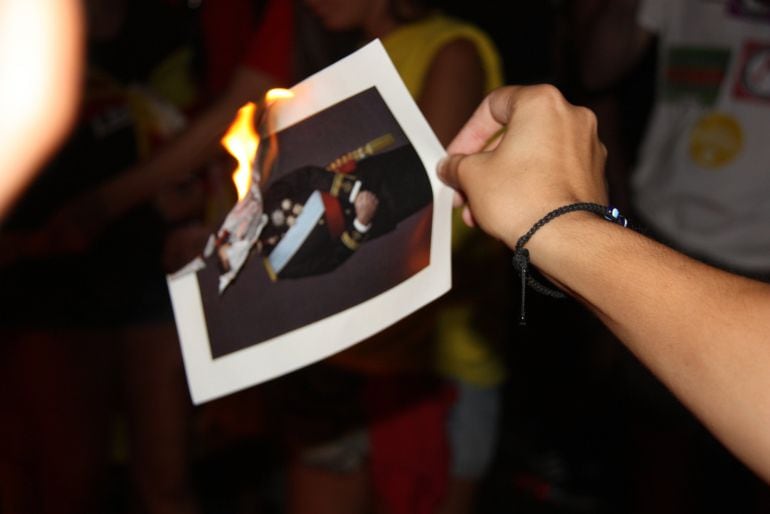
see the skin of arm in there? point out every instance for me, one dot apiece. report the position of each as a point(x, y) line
point(78, 222)
point(703, 332)
point(193, 147)
point(453, 88)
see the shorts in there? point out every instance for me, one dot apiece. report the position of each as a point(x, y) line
point(472, 433)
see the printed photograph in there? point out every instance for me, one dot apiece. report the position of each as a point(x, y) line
point(348, 209)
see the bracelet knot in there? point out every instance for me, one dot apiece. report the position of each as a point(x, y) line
point(521, 255)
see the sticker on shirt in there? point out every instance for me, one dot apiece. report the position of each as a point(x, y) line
point(695, 72)
point(756, 9)
point(715, 140)
point(753, 80)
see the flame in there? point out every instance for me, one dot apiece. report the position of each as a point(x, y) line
point(242, 141)
point(278, 94)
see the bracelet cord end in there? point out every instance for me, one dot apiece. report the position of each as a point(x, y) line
point(521, 262)
point(521, 255)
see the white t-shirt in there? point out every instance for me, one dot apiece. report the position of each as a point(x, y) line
point(703, 178)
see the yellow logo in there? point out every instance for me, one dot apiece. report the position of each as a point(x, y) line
point(715, 140)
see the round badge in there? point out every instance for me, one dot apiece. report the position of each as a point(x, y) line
point(715, 140)
point(756, 74)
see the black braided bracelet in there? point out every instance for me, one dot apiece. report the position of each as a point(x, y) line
point(521, 254)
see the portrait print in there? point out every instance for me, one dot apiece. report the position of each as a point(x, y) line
point(316, 256)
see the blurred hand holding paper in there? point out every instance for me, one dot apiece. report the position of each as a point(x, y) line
point(344, 230)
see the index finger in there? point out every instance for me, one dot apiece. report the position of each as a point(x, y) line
point(492, 115)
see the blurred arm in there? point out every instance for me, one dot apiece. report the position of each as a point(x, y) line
point(73, 227)
point(41, 59)
point(177, 160)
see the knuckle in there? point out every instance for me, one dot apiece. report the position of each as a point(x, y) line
point(587, 117)
point(548, 91)
point(549, 94)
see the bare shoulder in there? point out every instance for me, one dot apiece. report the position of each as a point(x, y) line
point(458, 55)
point(456, 78)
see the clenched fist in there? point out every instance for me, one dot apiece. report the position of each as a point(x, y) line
point(366, 206)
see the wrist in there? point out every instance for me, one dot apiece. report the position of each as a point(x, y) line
point(361, 227)
point(558, 235)
point(562, 232)
point(583, 252)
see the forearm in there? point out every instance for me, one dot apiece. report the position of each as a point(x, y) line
point(181, 157)
point(175, 162)
point(703, 332)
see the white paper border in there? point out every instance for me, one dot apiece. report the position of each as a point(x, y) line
point(210, 378)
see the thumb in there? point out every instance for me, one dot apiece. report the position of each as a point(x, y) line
point(448, 170)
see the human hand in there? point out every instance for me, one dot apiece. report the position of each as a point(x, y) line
point(549, 156)
point(366, 206)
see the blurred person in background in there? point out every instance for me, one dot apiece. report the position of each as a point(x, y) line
point(243, 59)
point(700, 184)
point(90, 330)
point(426, 390)
point(700, 181)
point(85, 251)
point(78, 225)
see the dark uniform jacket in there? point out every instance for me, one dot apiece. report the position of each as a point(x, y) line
point(311, 211)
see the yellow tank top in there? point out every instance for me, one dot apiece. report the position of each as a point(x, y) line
point(413, 47)
point(461, 352)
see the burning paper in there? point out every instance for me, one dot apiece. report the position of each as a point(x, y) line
point(340, 230)
point(240, 231)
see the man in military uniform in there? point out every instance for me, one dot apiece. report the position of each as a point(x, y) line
point(318, 218)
